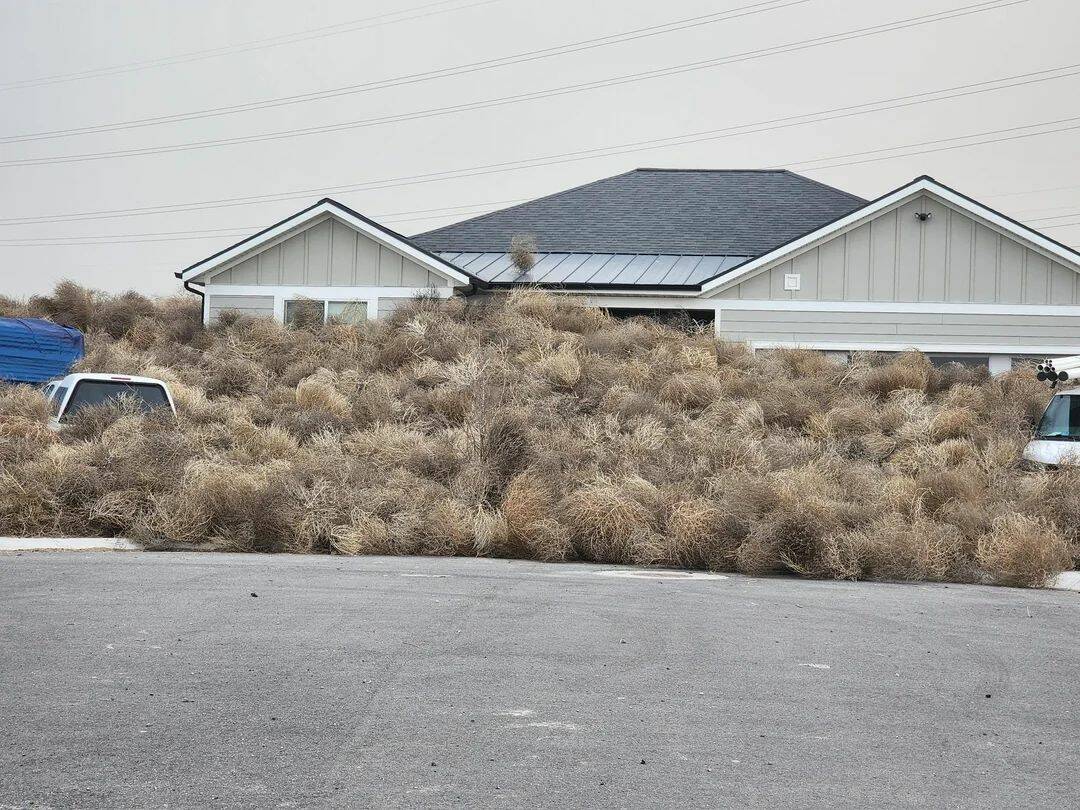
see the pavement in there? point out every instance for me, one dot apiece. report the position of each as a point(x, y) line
point(215, 680)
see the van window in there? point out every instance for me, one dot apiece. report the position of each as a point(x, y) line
point(98, 392)
point(1061, 420)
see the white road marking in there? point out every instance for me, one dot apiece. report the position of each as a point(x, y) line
point(816, 666)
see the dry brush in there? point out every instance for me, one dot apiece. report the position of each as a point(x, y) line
point(530, 427)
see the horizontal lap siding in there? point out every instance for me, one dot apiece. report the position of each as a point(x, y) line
point(388, 306)
point(259, 306)
point(898, 327)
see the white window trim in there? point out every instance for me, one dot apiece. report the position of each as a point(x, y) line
point(919, 186)
point(370, 306)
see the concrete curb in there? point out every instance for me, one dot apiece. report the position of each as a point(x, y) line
point(1067, 581)
point(67, 544)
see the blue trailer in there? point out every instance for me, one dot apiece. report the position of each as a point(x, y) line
point(34, 351)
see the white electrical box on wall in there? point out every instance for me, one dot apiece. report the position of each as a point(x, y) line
point(792, 281)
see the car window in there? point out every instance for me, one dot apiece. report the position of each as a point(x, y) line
point(57, 398)
point(1061, 420)
point(99, 392)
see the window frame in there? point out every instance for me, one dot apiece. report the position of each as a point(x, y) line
point(325, 302)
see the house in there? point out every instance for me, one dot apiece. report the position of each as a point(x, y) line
point(768, 256)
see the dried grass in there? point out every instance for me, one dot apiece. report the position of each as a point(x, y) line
point(526, 426)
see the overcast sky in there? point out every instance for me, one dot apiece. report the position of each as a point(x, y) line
point(68, 65)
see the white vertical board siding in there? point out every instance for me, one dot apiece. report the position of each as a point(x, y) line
point(897, 257)
point(329, 253)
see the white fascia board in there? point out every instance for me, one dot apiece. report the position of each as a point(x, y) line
point(1045, 349)
point(901, 195)
point(1046, 310)
point(645, 291)
point(315, 212)
point(325, 292)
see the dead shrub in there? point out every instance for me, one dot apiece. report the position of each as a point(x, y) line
point(1023, 551)
point(525, 425)
point(603, 516)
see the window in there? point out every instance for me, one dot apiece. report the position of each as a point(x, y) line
point(57, 398)
point(346, 311)
point(88, 393)
point(304, 312)
point(679, 318)
point(301, 312)
point(1061, 420)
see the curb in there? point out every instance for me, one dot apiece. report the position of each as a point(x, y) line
point(1066, 581)
point(67, 544)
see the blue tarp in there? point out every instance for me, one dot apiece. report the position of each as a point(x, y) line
point(34, 351)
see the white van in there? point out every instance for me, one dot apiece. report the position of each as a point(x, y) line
point(1057, 438)
point(77, 391)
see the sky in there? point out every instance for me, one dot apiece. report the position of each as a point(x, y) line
point(421, 113)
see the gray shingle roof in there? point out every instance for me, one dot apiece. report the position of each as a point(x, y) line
point(658, 212)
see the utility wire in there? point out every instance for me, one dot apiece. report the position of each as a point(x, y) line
point(242, 230)
point(567, 157)
point(413, 78)
point(346, 27)
point(878, 153)
point(859, 33)
point(1006, 82)
point(1020, 79)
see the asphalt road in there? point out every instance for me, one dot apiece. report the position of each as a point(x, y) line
point(157, 680)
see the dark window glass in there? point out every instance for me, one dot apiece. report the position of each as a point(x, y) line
point(1061, 420)
point(57, 400)
point(98, 392)
point(679, 318)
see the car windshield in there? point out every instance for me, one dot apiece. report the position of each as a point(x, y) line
point(1061, 420)
point(146, 396)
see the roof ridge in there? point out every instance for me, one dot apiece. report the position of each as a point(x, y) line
point(523, 204)
point(715, 171)
point(825, 185)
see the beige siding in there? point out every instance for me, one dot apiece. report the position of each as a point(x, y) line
point(260, 306)
point(896, 257)
point(906, 329)
point(329, 253)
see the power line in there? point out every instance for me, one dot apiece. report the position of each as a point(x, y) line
point(257, 44)
point(1003, 83)
point(985, 5)
point(566, 157)
point(238, 230)
point(803, 165)
point(413, 78)
point(1019, 80)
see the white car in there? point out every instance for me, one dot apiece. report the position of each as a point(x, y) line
point(1057, 438)
point(76, 391)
